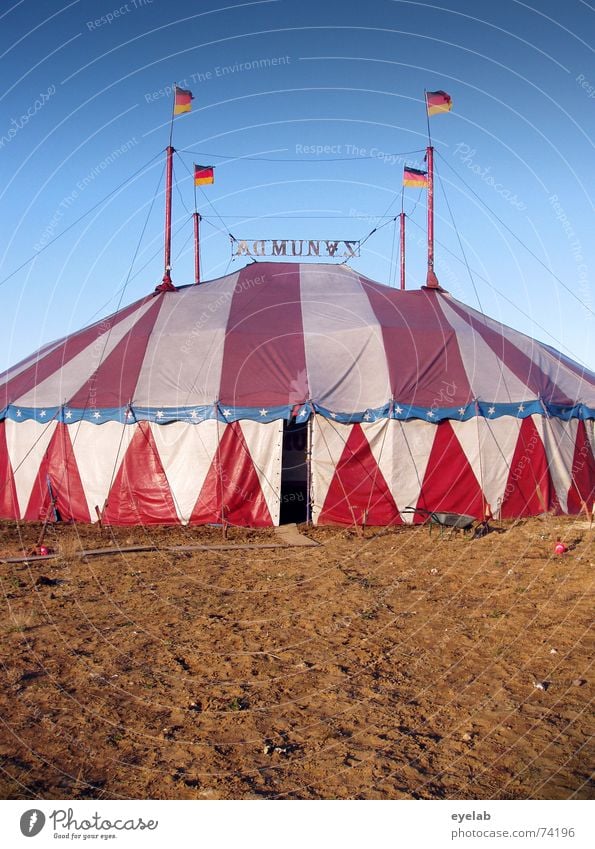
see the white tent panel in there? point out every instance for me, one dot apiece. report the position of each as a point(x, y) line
point(345, 356)
point(401, 450)
point(99, 451)
point(590, 428)
point(186, 452)
point(409, 446)
point(265, 444)
point(184, 357)
point(25, 364)
point(560, 443)
point(65, 383)
point(26, 443)
point(479, 359)
point(489, 448)
point(564, 378)
point(328, 443)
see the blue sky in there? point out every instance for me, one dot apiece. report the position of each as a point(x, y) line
point(82, 110)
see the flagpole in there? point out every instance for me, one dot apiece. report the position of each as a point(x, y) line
point(427, 116)
point(402, 218)
point(431, 279)
point(196, 217)
point(166, 283)
point(171, 123)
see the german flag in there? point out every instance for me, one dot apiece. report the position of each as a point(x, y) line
point(437, 102)
point(182, 100)
point(203, 175)
point(414, 177)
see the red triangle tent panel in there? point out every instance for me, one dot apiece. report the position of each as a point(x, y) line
point(582, 490)
point(449, 483)
point(358, 493)
point(8, 495)
point(59, 471)
point(231, 491)
point(529, 489)
point(140, 493)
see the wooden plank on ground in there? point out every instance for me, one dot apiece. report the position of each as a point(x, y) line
point(224, 547)
point(31, 558)
point(292, 536)
point(127, 549)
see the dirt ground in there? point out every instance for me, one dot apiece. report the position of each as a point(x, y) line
point(399, 665)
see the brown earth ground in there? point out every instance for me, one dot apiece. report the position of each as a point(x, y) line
point(398, 665)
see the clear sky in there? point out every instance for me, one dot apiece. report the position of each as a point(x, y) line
point(301, 107)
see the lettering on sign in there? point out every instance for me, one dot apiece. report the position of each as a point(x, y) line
point(340, 248)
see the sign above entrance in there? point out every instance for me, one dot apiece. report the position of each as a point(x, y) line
point(338, 248)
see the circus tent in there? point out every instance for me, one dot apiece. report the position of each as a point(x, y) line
point(174, 409)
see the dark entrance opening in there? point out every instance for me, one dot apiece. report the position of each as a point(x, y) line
point(294, 473)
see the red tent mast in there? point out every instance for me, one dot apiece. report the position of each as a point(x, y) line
point(196, 217)
point(169, 169)
point(431, 279)
point(402, 234)
point(184, 105)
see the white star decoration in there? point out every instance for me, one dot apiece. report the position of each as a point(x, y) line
point(333, 415)
point(160, 414)
point(462, 411)
point(521, 408)
point(19, 414)
point(97, 414)
point(303, 412)
point(43, 413)
point(367, 417)
point(128, 414)
point(226, 413)
point(430, 414)
point(264, 412)
point(194, 414)
point(491, 411)
point(68, 414)
point(398, 410)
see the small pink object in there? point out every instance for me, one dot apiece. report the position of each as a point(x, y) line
point(560, 548)
point(43, 550)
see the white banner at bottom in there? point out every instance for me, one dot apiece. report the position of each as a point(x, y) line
point(280, 823)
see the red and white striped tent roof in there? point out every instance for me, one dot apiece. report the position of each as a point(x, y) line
point(413, 399)
point(275, 339)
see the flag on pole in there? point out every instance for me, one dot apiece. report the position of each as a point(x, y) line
point(438, 101)
point(415, 177)
point(203, 175)
point(182, 100)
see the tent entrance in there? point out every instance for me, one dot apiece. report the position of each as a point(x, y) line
point(294, 473)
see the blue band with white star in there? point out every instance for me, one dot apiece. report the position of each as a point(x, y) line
point(302, 412)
